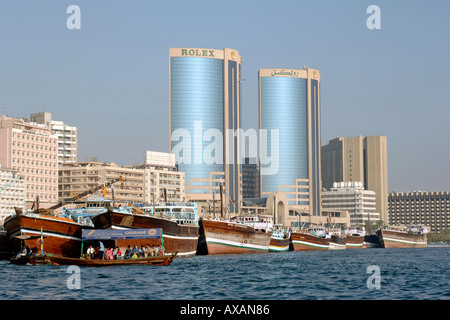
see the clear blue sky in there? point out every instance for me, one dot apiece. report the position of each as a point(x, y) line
point(110, 79)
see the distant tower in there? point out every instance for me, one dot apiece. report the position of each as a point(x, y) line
point(358, 159)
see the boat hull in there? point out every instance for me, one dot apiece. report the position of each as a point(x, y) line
point(308, 242)
point(400, 239)
point(222, 237)
point(337, 242)
point(279, 245)
point(61, 236)
point(371, 241)
point(58, 260)
point(6, 250)
point(176, 238)
point(355, 242)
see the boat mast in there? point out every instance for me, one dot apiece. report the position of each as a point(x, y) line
point(214, 204)
point(275, 208)
point(153, 202)
point(221, 201)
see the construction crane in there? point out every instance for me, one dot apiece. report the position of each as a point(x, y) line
point(9, 184)
point(83, 194)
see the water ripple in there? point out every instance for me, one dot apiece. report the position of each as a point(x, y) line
point(334, 275)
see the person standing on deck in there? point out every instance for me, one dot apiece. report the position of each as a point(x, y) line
point(101, 251)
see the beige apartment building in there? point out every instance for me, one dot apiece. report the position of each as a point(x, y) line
point(12, 193)
point(31, 149)
point(76, 178)
point(163, 181)
point(358, 159)
point(67, 136)
point(206, 193)
point(429, 208)
point(156, 180)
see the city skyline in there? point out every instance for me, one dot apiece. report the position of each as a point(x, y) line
point(114, 73)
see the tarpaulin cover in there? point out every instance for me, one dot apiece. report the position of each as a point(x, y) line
point(109, 234)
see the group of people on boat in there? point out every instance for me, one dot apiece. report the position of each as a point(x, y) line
point(141, 252)
point(100, 253)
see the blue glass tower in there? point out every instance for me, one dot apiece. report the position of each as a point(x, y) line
point(204, 107)
point(289, 104)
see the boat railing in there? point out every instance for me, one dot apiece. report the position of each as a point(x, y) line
point(180, 217)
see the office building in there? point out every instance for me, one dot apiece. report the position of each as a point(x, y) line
point(163, 181)
point(418, 207)
point(31, 149)
point(12, 193)
point(289, 115)
point(358, 159)
point(79, 177)
point(205, 115)
point(67, 136)
point(351, 197)
point(251, 187)
point(155, 180)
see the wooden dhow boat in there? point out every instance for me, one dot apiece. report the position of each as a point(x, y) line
point(179, 222)
point(63, 232)
point(371, 241)
point(218, 236)
point(233, 235)
point(355, 238)
point(355, 242)
point(63, 235)
point(312, 239)
point(337, 241)
point(83, 262)
point(280, 240)
point(6, 250)
point(164, 260)
point(413, 236)
point(90, 235)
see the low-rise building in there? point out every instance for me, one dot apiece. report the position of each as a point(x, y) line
point(78, 177)
point(156, 180)
point(418, 207)
point(163, 181)
point(351, 197)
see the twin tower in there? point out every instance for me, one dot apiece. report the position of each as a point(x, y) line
point(210, 146)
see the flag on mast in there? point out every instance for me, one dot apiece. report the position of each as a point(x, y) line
point(42, 242)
